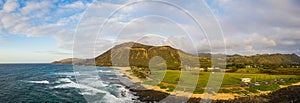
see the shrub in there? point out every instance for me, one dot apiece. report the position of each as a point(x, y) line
point(171, 88)
point(198, 91)
point(289, 82)
point(238, 92)
point(162, 86)
point(245, 92)
point(267, 87)
point(236, 89)
point(252, 90)
point(224, 91)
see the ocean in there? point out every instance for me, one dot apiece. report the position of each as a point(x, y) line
point(57, 83)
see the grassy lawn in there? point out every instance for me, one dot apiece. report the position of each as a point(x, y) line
point(231, 79)
point(172, 77)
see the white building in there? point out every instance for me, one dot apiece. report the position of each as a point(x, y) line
point(246, 80)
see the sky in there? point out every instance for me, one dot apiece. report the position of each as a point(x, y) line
point(41, 31)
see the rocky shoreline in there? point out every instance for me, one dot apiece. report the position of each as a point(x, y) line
point(283, 95)
point(286, 94)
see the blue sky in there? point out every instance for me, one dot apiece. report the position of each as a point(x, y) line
point(19, 48)
point(38, 31)
point(39, 21)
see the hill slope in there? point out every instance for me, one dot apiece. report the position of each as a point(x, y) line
point(140, 55)
point(265, 59)
point(136, 54)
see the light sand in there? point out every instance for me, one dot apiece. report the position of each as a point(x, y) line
point(284, 86)
point(296, 83)
point(124, 70)
point(218, 96)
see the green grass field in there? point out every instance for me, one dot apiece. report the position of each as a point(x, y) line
point(172, 77)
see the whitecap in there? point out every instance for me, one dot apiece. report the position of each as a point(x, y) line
point(68, 80)
point(71, 84)
point(91, 85)
point(119, 74)
point(40, 82)
point(68, 73)
point(104, 71)
point(85, 89)
point(86, 93)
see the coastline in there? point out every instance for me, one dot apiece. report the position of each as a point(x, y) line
point(218, 96)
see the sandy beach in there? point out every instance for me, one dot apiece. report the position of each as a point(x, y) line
point(125, 71)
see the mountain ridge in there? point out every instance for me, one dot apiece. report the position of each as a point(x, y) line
point(137, 54)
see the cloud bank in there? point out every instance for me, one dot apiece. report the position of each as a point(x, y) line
point(250, 27)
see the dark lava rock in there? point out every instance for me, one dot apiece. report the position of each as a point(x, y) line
point(149, 95)
point(285, 95)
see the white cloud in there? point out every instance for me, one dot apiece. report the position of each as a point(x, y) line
point(268, 42)
point(38, 8)
point(36, 19)
point(259, 41)
point(275, 23)
point(267, 25)
point(10, 6)
point(75, 5)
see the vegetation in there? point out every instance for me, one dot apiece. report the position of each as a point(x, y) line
point(162, 64)
point(252, 90)
point(230, 80)
point(139, 55)
point(170, 88)
point(266, 87)
point(198, 91)
point(263, 60)
point(224, 91)
point(236, 89)
point(283, 95)
point(241, 92)
point(162, 86)
point(289, 82)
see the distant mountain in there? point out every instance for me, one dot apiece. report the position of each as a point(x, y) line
point(140, 55)
point(69, 61)
point(265, 59)
point(259, 58)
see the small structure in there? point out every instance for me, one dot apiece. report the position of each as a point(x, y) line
point(248, 66)
point(210, 68)
point(246, 80)
point(201, 69)
point(256, 84)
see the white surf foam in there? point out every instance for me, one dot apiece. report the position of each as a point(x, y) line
point(85, 89)
point(104, 71)
point(68, 73)
point(71, 84)
point(93, 82)
point(89, 89)
point(40, 82)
